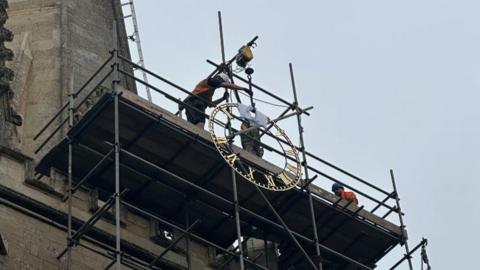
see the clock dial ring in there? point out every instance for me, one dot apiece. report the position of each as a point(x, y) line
point(283, 180)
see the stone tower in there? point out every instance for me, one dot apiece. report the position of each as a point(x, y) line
point(42, 44)
point(54, 38)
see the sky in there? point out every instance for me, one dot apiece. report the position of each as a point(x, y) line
point(394, 85)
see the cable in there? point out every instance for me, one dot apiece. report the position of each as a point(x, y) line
point(266, 102)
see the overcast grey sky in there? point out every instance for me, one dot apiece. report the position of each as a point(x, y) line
point(394, 85)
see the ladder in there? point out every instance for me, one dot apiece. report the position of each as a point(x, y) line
point(135, 37)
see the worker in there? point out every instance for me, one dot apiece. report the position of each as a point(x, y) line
point(201, 97)
point(339, 190)
point(252, 119)
point(251, 140)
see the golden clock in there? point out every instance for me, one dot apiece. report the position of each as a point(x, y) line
point(222, 123)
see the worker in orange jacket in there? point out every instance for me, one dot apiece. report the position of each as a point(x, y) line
point(339, 190)
point(201, 96)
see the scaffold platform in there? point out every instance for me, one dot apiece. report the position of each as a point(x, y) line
point(168, 165)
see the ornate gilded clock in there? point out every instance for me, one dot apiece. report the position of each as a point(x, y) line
point(224, 125)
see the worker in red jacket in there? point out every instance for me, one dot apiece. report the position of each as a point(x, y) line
point(201, 97)
point(339, 190)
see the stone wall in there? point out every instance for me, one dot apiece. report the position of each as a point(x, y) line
point(54, 39)
point(38, 22)
point(34, 242)
point(9, 118)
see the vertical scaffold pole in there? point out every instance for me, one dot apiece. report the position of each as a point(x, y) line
point(234, 179)
point(237, 219)
point(115, 81)
point(265, 246)
point(402, 225)
point(187, 238)
point(237, 214)
point(71, 108)
point(222, 44)
point(222, 47)
point(305, 167)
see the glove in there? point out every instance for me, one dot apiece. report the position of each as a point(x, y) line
point(226, 95)
point(181, 105)
point(250, 92)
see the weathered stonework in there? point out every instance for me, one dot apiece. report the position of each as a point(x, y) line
point(9, 118)
point(57, 40)
point(29, 235)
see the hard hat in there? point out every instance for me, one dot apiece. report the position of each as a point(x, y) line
point(336, 186)
point(224, 76)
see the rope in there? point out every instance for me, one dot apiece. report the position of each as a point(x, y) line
point(266, 102)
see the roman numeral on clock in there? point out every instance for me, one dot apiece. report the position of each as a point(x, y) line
point(270, 180)
point(285, 178)
point(220, 140)
point(292, 168)
point(231, 158)
point(280, 132)
point(291, 152)
point(250, 173)
point(227, 113)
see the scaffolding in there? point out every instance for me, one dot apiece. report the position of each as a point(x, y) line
point(313, 228)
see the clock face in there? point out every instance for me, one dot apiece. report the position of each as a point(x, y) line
point(224, 126)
